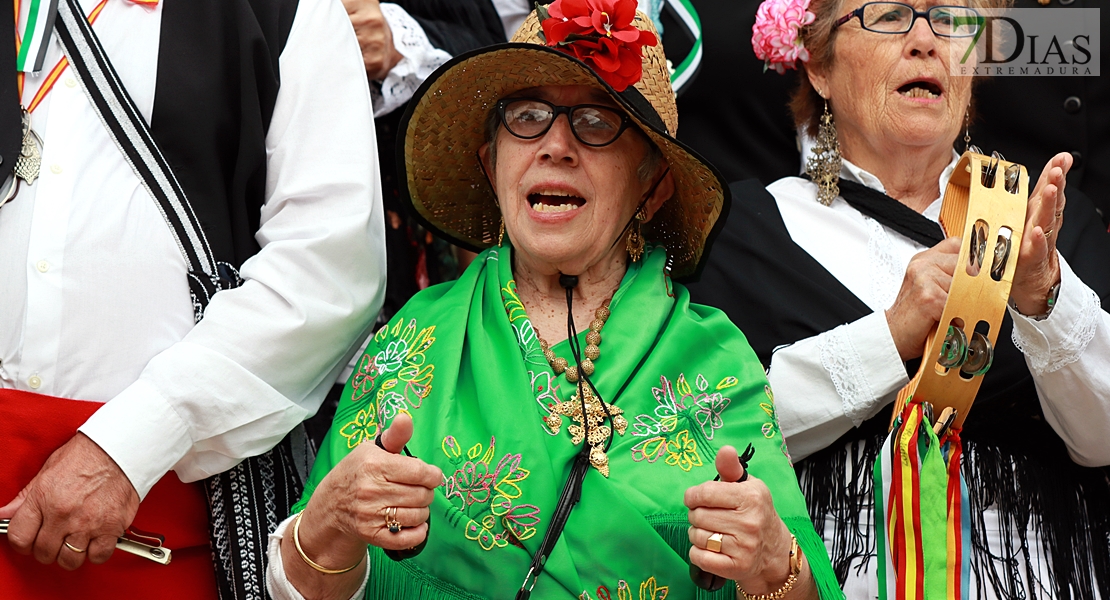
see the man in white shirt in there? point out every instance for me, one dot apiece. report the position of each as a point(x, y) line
point(263, 113)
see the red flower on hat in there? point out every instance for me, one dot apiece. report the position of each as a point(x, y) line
point(600, 33)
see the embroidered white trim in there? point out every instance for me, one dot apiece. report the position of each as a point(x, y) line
point(886, 277)
point(845, 368)
point(1044, 358)
point(421, 58)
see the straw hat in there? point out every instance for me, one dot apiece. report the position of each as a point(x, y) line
point(446, 124)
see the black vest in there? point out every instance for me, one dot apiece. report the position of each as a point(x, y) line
point(217, 84)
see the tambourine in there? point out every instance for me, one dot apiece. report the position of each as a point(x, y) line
point(986, 201)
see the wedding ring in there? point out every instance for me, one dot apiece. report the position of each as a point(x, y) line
point(74, 548)
point(713, 544)
point(391, 521)
point(1059, 214)
point(1048, 233)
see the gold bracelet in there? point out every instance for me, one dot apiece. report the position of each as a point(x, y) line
point(308, 561)
point(795, 569)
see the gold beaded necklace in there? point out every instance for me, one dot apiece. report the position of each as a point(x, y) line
point(584, 408)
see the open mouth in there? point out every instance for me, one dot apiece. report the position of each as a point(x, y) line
point(921, 89)
point(555, 201)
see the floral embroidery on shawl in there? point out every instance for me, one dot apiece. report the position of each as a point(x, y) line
point(772, 428)
point(686, 418)
point(649, 590)
point(397, 375)
point(545, 384)
point(485, 495)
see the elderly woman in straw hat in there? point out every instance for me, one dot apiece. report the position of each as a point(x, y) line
point(552, 423)
point(839, 279)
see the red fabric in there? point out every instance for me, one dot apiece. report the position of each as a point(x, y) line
point(32, 426)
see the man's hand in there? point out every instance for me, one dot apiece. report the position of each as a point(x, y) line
point(80, 499)
point(374, 37)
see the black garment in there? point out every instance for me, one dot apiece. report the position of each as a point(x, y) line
point(735, 114)
point(415, 259)
point(1030, 119)
point(217, 85)
point(776, 293)
point(11, 119)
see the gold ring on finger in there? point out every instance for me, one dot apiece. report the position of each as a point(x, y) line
point(1048, 233)
point(1059, 214)
point(713, 544)
point(74, 548)
point(391, 521)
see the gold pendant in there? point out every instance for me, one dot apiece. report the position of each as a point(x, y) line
point(29, 163)
point(596, 413)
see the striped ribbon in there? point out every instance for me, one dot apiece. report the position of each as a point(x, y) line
point(959, 521)
point(31, 51)
point(922, 527)
point(52, 77)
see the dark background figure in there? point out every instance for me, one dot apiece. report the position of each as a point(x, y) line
point(1029, 119)
point(734, 114)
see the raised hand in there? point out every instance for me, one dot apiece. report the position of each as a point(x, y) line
point(754, 542)
point(1038, 267)
point(920, 302)
point(354, 506)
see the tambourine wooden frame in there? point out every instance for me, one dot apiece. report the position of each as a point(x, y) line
point(971, 298)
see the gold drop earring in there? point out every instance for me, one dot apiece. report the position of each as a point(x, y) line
point(823, 166)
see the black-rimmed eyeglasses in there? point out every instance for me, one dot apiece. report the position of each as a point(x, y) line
point(895, 17)
point(592, 124)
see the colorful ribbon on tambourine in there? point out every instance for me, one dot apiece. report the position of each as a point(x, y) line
point(922, 523)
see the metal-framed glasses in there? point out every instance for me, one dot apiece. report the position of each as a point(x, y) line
point(896, 17)
point(592, 124)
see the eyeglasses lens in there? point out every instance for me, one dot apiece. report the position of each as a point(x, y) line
point(593, 125)
point(947, 21)
point(528, 118)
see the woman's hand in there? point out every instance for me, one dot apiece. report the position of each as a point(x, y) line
point(755, 545)
point(348, 511)
point(1038, 266)
point(920, 302)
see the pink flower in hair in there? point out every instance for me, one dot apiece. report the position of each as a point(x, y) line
point(776, 35)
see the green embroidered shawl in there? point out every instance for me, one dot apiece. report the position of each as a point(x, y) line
point(463, 360)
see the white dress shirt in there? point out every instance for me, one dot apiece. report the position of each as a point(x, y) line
point(831, 382)
point(96, 304)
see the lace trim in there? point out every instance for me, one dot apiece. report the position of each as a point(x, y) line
point(1045, 357)
point(421, 58)
point(886, 278)
point(845, 368)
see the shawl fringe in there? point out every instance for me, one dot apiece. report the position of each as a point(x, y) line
point(1066, 505)
point(403, 580)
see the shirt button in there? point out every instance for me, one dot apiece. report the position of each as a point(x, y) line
point(56, 169)
point(42, 266)
point(34, 381)
point(1073, 104)
point(71, 82)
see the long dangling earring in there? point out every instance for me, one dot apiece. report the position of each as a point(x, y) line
point(968, 146)
point(501, 233)
point(967, 130)
point(634, 243)
point(823, 167)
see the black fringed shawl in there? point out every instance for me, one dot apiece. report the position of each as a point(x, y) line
point(778, 294)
